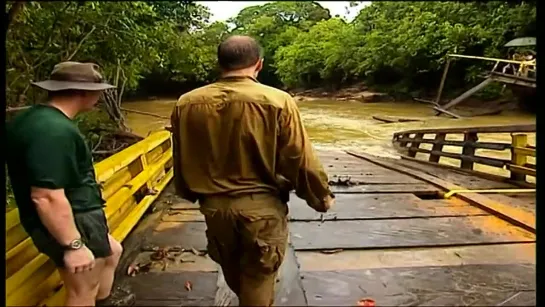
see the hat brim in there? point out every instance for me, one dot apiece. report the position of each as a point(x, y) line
point(54, 85)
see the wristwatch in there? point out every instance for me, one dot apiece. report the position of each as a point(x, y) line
point(74, 245)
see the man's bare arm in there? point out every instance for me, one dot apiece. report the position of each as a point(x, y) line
point(298, 163)
point(56, 214)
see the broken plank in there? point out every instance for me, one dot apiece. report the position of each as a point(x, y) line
point(385, 188)
point(515, 216)
point(381, 206)
point(476, 285)
point(403, 233)
point(466, 94)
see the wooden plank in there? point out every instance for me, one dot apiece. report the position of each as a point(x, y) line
point(513, 215)
point(523, 253)
point(184, 205)
point(289, 288)
point(168, 289)
point(483, 145)
point(442, 83)
point(385, 188)
point(477, 129)
point(183, 216)
point(521, 170)
point(511, 80)
point(476, 159)
point(181, 234)
point(399, 233)
point(476, 285)
point(381, 206)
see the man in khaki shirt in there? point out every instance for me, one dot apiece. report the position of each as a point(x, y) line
point(239, 148)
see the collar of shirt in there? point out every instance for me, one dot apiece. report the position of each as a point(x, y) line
point(237, 78)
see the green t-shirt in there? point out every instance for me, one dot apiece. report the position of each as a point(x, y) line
point(46, 149)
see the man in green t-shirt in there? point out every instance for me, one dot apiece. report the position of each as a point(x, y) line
point(53, 179)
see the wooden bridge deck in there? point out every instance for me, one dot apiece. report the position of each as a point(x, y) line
point(391, 237)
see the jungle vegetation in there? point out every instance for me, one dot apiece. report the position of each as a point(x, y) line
point(157, 48)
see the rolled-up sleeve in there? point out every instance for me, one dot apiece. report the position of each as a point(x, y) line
point(182, 189)
point(297, 161)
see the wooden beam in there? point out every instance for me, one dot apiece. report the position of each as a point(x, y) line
point(467, 94)
point(512, 215)
point(442, 84)
point(441, 110)
point(478, 129)
point(521, 170)
point(512, 81)
point(481, 160)
point(469, 151)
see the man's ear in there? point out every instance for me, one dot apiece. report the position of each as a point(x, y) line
point(259, 66)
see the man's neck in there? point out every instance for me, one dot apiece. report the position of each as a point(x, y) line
point(67, 107)
point(250, 73)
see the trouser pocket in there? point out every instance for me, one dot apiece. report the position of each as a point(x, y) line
point(264, 239)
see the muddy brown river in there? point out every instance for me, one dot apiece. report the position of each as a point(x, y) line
point(349, 125)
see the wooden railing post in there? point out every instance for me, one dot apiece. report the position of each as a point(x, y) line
point(415, 144)
point(468, 149)
point(518, 159)
point(403, 144)
point(438, 146)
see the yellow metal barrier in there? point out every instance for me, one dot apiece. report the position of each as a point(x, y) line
point(131, 180)
point(491, 191)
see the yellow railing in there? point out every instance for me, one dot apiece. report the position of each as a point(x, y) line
point(131, 180)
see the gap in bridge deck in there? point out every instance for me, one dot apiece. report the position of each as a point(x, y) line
point(397, 237)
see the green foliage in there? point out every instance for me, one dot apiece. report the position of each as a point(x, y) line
point(402, 42)
point(400, 45)
point(275, 25)
point(10, 199)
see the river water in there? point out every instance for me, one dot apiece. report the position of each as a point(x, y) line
point(349, 125)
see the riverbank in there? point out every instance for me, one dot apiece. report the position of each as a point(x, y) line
point(359, 92)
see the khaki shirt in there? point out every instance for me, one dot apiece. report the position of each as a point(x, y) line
point(237, 136)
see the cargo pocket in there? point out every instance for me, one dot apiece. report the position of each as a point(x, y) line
point(265, 239)
point(270, 256)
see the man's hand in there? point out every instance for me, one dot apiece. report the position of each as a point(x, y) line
point(79, 260)
point(328, 202)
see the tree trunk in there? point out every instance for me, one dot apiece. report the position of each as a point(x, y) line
point(13, 11)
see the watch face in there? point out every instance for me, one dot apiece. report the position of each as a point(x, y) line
point(76, 244)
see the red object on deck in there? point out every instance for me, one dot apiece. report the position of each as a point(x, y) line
point(367, 302)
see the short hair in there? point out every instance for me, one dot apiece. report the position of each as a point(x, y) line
point(238, 52)
point(64, 94)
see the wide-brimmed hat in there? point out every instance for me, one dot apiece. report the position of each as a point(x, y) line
point(74, 76)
